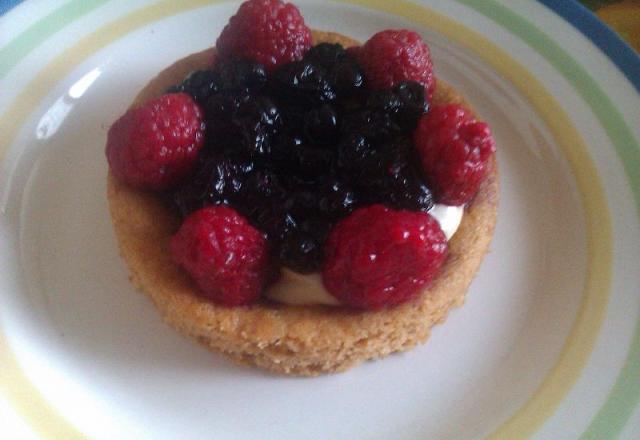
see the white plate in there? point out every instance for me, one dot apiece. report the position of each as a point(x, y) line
point(546, 343)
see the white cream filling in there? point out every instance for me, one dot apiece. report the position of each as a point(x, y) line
point(449, 218)
point(305, 289)
point(297, 288)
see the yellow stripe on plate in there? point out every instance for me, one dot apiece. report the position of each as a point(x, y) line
point(595, 298)
point(27, 402)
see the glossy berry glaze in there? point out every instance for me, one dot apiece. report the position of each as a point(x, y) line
point(297, 149)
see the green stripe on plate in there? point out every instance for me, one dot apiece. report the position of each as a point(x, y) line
point(625, 395)
point(38, 32)
point(622, 399)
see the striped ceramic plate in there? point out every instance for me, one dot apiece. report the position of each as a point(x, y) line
point(548, 343)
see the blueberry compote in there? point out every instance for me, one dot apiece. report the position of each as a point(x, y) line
point(298, 149)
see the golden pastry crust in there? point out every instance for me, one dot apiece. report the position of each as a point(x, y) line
point(302, 340)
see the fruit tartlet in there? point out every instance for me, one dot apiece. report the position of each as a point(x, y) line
point(298, 201)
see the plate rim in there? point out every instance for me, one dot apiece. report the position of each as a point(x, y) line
point(374, 4)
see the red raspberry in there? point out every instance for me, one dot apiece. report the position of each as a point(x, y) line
point(380, 257)
point(270, 32)
point(224, 254)
point(156, 145)
point(455, 150)
point(392, 56)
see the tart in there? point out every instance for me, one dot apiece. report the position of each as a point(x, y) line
point(306, 339)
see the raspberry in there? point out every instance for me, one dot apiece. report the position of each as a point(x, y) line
point(156, 145)
point(270, 32)
point(392, 56)
point(224, 254)
point(380, 257)
point(455, 150)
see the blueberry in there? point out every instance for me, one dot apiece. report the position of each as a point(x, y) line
point(255, 140)
point(237, 75)
point(253, 125)
point(274, 220)
point(261, 191)
point(411, 93)
point(217, 179)
point(283, 147)
point(311, 162)
point(377, 126)
point(382, 127)
point(347, 78)
point(263, 186)
point(301, 248)
point(336, 200)
point(293, 117)
point(321, 124)
point(393, 178)
point(353, 149)
point(414, 104)
point(303, 83)
point(201, 84)
point(325, 54)
point(385, 101)
point(406, 190)
point(260, 110)
point(301, 202)
point(301, 252)
point(220, 110)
